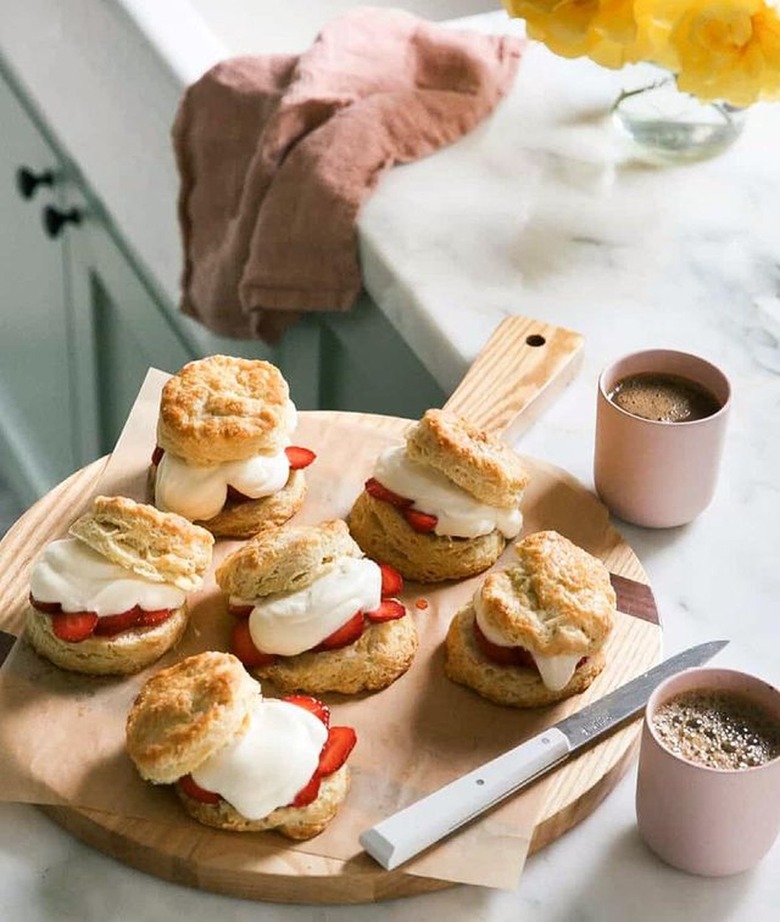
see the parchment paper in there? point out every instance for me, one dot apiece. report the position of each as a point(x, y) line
point(62, 735)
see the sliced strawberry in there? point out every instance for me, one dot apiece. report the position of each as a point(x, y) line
point(236, 496)
point(299, 457)
point(308, 793)
point(152, 617)
point(389, 610)
point(242, 645)
point(503, 656)
point(379, 491)
point(392, 581)
point(340, 742)
point(192, 789)
point(348, 633)
point(312, 705)
point(109, 625)
point(157, 455)
point(74, 626)
point(240, 611)
point(47, 608)
point(421, 521)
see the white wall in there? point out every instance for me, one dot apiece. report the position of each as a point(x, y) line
point(262, 26)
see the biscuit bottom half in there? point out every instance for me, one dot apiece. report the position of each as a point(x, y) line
point(293, 822)
point(515, 686)
point(382, 653)
point(122, 654)
point(384, 534)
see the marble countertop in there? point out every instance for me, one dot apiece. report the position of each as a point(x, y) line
point(539, 212)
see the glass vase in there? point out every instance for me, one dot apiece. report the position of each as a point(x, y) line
point(666, 125)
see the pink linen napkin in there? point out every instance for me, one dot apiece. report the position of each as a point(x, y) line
point(277, 153)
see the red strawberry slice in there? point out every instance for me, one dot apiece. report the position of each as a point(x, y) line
point(109, 625)
point(74, 626)
point(392, 581)
point(299, 457)
point(379, 491)
point(312, 705)
point(340, 742)
point(421, 521)
point(240, 611)
point(389, 610)
point(503, 656)
point(152, 617)
point(47, 608)
point(348, 633)
point(309, 793)
point(157, 455)
point(242, 645)
point(236, 496)
point(192, 789)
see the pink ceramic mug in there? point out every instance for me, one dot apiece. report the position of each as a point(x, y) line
point(658, 474)
point(706, 820)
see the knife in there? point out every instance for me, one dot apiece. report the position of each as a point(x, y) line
point(423, 823)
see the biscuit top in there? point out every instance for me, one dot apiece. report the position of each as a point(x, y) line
point(285, 559)
point(187, 712)
point(475, 460)
point(558, 598)
point(225, 409)
point(160, 546)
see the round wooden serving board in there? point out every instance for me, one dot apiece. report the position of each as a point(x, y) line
point(245, 865)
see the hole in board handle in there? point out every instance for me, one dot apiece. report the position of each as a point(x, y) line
point(535, 339)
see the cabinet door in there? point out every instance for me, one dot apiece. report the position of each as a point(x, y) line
point(122, 330)
point(37, 439)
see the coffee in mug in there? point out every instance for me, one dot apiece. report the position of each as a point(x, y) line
point(718, 728)
point(660, 426)
point(664, 398)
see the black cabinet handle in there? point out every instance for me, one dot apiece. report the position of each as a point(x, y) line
point(54, 219)
point(27, 181)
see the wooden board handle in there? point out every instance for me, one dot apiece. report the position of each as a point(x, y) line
point(520, 371)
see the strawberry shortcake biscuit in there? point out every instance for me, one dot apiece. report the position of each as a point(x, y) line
point(224, 457)
point(443, 505)
point(535, 632)
point(238, 760)
point(111, 599)
point(313, 614)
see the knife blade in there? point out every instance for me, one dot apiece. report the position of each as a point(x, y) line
point(405, 834)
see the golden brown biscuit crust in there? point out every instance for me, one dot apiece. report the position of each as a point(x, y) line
point(186, 713)
point(384, 534)
point(293, 822)
point(123, 654)
point(248, 518)
point(223, 408)
point(475, 460)
point(160, 546)
point(514, 686)
point(285, 559)
point(382, 654)
point(557, 599)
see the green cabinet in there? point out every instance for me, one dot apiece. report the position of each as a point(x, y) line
point(38, 445)
point(79, 325)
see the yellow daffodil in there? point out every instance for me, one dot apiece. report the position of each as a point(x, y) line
point(719, 49)
point(603, 30)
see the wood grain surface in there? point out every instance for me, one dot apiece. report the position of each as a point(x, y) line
point(242, 864)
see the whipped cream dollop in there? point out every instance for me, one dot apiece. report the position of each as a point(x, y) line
point(555, 671)
point(199, 491)
point(288, 623)
point(267, 766)
point(459, 514)
point(80, 579)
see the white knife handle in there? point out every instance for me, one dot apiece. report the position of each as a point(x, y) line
point(421, 824)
